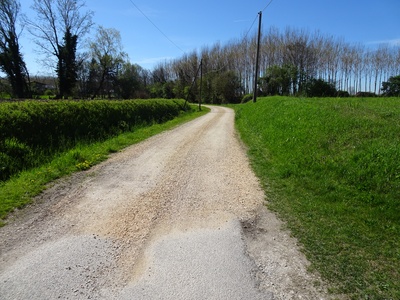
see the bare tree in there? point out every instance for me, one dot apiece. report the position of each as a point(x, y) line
point(378, 63)
point(11, 60)
point(58, 28)
point(397, 60)
point(350, 67)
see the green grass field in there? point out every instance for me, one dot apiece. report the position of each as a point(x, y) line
point(331, 170)
point(22, 187)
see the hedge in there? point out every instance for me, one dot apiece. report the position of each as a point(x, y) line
point(31, 127)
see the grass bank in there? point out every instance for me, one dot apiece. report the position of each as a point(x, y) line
point(21, 188)
point(331, 169)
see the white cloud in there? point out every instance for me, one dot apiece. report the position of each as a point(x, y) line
point(392, 42)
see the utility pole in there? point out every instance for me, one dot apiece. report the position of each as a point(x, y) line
point(201, 81)
point(193, 82)
point(257, 73)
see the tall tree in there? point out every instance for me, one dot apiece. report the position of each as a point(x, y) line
point(279, 80)
point(11, 60)
point(58, 27)
point(128, 82)
point(107, 56)
point(67, 65)
point(349, 67)
point(227, 88)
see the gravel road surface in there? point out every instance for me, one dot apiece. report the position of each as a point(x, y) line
point(178, 216)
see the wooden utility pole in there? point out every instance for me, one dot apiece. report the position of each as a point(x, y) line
point(201, 82)
point(257, 73)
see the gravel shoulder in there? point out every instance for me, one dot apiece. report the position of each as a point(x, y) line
point(178, 216)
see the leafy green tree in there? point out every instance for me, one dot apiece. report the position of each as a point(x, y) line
point(168, 90)
point(227, 88)
point(391, 87)
point(11, 60)
point(156, 90)
point(128, 82)
point(207, 87)
point(279, 80)
point(160, 86)
point(183, 85)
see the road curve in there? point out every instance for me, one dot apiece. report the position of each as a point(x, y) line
point(178, 216)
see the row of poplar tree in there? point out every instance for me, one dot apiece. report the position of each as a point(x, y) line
point(291, 61)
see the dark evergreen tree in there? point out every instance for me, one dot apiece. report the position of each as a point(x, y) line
point(11, 60)
point(67, 66)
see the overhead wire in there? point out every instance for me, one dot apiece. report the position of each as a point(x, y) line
point(256, 17)
point(267, 5)
point(251, 27)
point(171, 41)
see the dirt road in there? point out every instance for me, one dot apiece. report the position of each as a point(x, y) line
point(179, 216)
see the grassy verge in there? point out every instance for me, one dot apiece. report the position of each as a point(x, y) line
point(331, 170)
point(19, 190)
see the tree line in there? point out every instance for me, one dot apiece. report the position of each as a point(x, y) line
point(292, 61)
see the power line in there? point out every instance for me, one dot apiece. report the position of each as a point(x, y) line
point(171, 41)
point(267, 5)
point(256, 17)
point(251, 26)
point(216, 71)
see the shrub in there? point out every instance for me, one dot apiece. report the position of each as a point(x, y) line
point(343, 94)
point(48, 127)
point(49, 93)
point(320, 88)
point(365, 94)
point(246, 98)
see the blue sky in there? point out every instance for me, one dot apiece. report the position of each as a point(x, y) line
point(194, 24)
